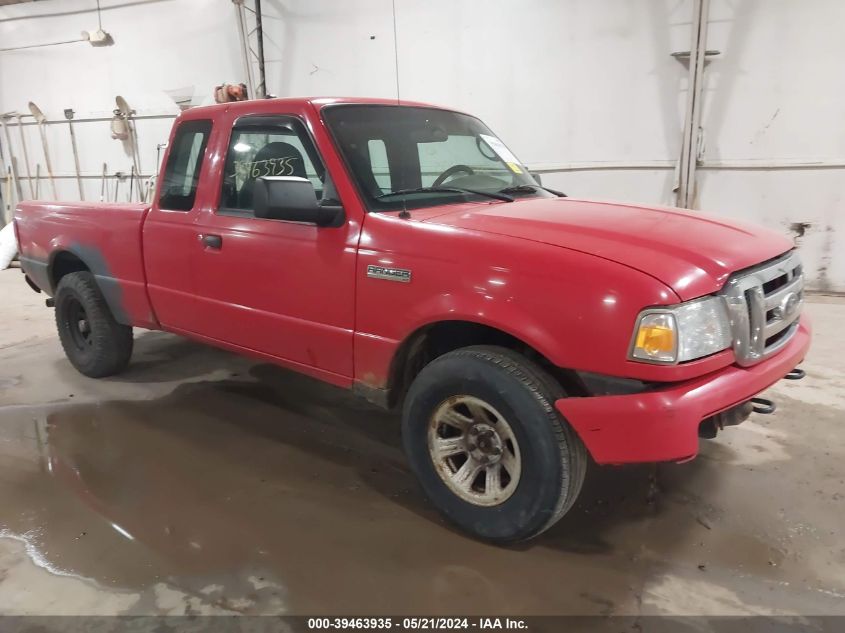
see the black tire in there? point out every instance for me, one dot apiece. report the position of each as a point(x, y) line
point(93, 341)
point(553, 459)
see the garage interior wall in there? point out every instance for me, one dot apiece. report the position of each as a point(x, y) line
point(586, 92)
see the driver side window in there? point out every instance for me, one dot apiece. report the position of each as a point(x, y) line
point(274, 148)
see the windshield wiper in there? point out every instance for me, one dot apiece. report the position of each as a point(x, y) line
point(531, 189)
point(489, 194)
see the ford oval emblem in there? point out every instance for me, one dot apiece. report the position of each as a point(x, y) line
point(788, 306)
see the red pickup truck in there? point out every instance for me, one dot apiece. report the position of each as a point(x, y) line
point(402, 250)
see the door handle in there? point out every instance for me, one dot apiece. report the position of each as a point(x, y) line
point(211, 241)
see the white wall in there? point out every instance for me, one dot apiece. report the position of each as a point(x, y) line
point(159, 45)
point(562, 82)
point(567, 83)
point(777, 95)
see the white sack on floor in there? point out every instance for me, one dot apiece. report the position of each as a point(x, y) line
point(8, 246)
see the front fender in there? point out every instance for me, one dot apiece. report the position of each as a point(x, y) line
point(577, 310)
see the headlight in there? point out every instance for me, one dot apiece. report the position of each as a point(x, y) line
point(680, 333)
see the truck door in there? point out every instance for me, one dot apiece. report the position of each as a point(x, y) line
point(283, 289)
point(169, 238)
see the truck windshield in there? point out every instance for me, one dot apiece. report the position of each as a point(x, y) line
point(414, 157)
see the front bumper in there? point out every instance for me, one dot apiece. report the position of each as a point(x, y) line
point(662, 424)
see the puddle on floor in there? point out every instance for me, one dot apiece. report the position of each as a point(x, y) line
point(269, 492)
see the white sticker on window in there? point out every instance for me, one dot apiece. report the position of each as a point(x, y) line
point(503, 152)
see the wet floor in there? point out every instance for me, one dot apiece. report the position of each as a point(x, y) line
point(200, 482)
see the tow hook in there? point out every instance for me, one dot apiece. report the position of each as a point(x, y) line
point(766, 406)
point(795, 374)
point(763, 405)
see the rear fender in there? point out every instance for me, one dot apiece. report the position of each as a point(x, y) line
point(94, 260)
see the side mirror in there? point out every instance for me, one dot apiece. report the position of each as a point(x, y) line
point(294, 199)
point(537, 178)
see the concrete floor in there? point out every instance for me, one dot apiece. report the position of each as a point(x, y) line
point(201, 482)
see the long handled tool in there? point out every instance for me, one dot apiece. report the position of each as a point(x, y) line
point(25, 157)
point(118, 177)
point(69, 117)
point(13, 167)
point(39, 117)
point(103, 184)
point(131, 181)
point(37, 181)
point(126, 113)
point(7, 197)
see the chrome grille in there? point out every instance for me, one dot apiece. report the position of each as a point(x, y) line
point(764, 304)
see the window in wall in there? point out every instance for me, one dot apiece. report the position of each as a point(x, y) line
point(182, 172)
point(279, 147)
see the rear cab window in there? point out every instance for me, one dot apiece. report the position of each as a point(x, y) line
point(182, 172)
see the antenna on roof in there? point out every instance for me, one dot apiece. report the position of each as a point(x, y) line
point(395, 51)
point(404, 214)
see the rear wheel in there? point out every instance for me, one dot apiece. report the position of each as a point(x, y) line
point(94, 343)
point(487, 445)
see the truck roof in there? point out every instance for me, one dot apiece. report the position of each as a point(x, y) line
point(272, 105)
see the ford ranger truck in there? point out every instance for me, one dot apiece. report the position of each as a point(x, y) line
point(403, 251)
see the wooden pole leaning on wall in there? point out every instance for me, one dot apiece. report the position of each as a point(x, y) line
point(39, 117)
point(25, 157)
point(11, 158)
point(7, 197)
point(69, 116)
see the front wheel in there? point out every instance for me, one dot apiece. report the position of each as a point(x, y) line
point(487, 445)
point(93, 341)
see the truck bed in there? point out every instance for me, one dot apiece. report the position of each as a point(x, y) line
point(105, 238)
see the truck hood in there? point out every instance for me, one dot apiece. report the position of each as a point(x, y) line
point(692, 252)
